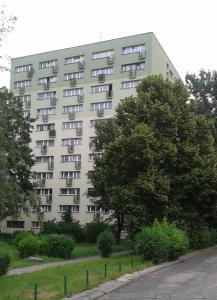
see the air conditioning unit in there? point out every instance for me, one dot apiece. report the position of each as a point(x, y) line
point(77, 199)
point(46, 86)
point(30, 72)
point(43, 149)
point(27, 104)
point(21, 90)
point(50, 165)
point(72, 82)
point(53, 101)
point(81, 65)
point(80, 98)
point(110, 59)
point(42, 182)
point(77, 165)
point(141, 55)
point(100, 112)
point(55, 69)
point(68, 181)
point(132, 74)
point(71, 115)
point(101, 78)
point(109, 94)
point(48, 199)
point(79, 131)
point(45, 118)
point(70, 148)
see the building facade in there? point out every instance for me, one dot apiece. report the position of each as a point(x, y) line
point(67, 91)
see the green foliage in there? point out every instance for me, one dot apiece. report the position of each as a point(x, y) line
point(93, 229)
point(60, 246)
point(49, 227)
point(19, 235)
point(158, 158)
point(5, 260)
point(28, 246)
point(105, 242)
point(200, 236)
point(6, 236)
point(161, 242)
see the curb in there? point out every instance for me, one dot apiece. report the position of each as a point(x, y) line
point(110, 286)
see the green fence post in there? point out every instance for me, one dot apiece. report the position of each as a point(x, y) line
point(132, 261)
point(105, 271)
point(87, 277)
point(119, 266)
point(65, 286)
point(35, 291)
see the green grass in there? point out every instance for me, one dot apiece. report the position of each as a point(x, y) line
point(80, 250)
point(50, 281)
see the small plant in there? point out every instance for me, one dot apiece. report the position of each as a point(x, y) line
point(28, 246)
point(105, 242)
point(93, 229)
point(60, 245)
point(5, 260)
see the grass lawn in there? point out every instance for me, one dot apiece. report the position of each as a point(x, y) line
point(80, 250)
point(50, 281)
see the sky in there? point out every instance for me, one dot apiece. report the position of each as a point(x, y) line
point(185, 28)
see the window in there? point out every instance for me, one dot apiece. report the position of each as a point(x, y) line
point(69, 192)
point(36, 224)
point(43, 192)
point(48, 64)
point(44, 143)
point(94, 208)
point(46, 208)
point(69, 208)
point(72, 125)
point(72, 92)
point(44, 159)
point(106, 71)
point(46, 111)
point(94, 122)
point(101, 105)
point(45, 127)
point(23, 83)
point(99, 88)
point(130, 84)
point(70, 174)
point(44, 175)
point(26, 113)
point(93, 156)
point(25, 98)
point(102, 54)
point(135, 66)
point(46, 95)
point(71, 141)
point(24, 68)
point(74, 59)
point(71, 108)
point(75, 75)
point(15, 224)
point(50, 79)
point(70, 158)
point(133, 49)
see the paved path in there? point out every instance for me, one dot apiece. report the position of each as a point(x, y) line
point(192, 277)
point(34, 268)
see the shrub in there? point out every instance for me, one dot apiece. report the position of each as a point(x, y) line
point(6, 236)
point(72, 229)
point(201, 236)
point(105, 242)
point(161, 242)
point(49, 227)
point(93, 229)
point(28, 246)
point(19, 235)
point(5, 260)
point(59, 245)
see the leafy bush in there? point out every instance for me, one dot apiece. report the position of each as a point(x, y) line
point(161, 242)
point(6, 236)
point(201, 236)
point(105, 242)
point(5, 260)
point(49, 227)
point(19, 235)
point(59, 245)
point(93, 229)
point(28, 246)
point(73, 229)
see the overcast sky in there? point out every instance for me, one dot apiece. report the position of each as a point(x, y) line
point(185, 28)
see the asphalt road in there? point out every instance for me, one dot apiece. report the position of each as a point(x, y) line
point(192, 279)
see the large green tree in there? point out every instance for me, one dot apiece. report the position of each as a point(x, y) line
point(16, 187)
point(157, 158)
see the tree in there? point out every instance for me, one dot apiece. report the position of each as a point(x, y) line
point(157, 158)
point(16, 160)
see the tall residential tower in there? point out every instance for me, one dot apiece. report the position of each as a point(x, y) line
point(68, 91)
